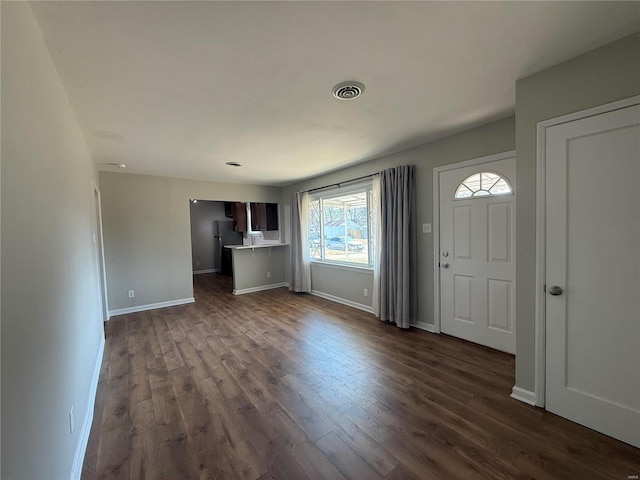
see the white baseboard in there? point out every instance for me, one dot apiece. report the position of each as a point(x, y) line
point(343, 301)
point(83, 438)
point(242, 291)
point(427, 327)
point(526, 396)
point(208, 270)
point(150, 306)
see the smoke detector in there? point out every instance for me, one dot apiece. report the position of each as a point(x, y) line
point(348, 90)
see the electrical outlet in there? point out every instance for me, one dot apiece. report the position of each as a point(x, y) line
point(131, 294)
point(268, 274)
point(72, 421)
point(198, 262)
point(426, 228)
point(366, 292)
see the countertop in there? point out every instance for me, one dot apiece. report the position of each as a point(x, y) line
point(260, 245)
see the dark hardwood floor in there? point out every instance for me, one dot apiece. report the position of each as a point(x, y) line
point(275, 385)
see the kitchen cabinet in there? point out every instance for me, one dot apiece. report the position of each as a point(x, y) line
point(264, 216)
point(228, 209)
point(239, 211)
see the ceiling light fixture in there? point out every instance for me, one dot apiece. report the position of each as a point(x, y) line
point(348, 90)
point(119, 165)
point(234, 164)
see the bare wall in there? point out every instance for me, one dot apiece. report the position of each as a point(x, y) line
point(601, 76)
point(147, 233)
point(51, 323)
point(492, 138)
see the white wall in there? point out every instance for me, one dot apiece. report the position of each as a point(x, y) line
point(51, 326)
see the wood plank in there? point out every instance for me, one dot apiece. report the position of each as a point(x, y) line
point(143, 459)
point(369, 450)
point(345, 459)
point(170, 354)
point(310, 458)
point(238, 451)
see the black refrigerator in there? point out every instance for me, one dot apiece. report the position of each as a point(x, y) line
point(223, 235)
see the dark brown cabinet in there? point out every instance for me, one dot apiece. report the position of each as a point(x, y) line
point(228, 209)
point(264, 216)
point(239, 211)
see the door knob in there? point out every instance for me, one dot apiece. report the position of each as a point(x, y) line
point(444, 265)
point(445, 254)
point(555, 290)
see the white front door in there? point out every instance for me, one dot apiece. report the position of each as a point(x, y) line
point(593, 272)
point(477, 253)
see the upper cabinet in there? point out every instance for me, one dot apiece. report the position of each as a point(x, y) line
point(264, 216)
point(229, 208)
point(239, 214)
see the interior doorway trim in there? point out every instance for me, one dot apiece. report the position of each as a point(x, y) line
point(541, 234)
point(436, 222)
point(98, 241)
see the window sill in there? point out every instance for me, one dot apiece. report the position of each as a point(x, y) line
point(342, 266)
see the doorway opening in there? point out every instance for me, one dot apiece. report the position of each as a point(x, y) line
point(212, 230)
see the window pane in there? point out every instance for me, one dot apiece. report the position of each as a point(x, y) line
point(473, 182)
point(339, 227)
point(345, 228)
point(481, 193)
point(314, 229)
point(501, 187)
point(463, 192)
point(488, 179)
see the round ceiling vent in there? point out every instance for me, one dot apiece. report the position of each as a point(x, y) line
point(348, 90)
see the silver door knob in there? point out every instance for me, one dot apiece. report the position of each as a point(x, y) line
point(444, 265)
point(555, 290)
point(445, 254)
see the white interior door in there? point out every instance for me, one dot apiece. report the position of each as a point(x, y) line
point(593, 272)
point(477, 253)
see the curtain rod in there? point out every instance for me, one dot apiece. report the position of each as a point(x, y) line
point(341, 183)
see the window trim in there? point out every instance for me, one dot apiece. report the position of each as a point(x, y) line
point(350, 267)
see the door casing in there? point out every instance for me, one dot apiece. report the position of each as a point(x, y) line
point(99, 246)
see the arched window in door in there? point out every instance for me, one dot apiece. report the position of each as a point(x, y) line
point(483, 184)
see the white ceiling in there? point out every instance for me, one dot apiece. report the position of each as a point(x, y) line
point(180, 88)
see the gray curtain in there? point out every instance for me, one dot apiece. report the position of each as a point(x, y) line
point(300, 266)
point(398, 269)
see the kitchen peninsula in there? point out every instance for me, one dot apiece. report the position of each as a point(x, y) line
point(259, 267)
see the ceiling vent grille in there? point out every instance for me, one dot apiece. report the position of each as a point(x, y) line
point(348, 90)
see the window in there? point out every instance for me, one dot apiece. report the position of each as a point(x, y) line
point(482, 185)
point(340, 226)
